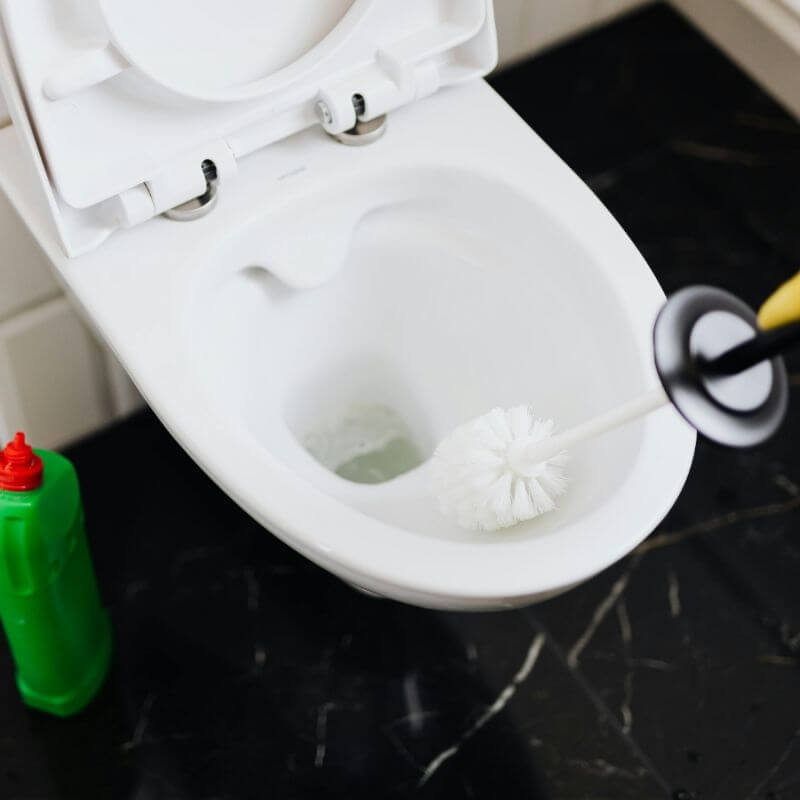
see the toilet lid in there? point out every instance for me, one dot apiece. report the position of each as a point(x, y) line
point(115, 94)
point(218, 50)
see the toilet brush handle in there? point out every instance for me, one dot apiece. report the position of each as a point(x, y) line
point(753, 351)
point(608, 421)
point(759, 348)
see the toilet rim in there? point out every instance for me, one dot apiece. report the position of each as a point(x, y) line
point(393, 560)
point(437, 571)
point(402, 563)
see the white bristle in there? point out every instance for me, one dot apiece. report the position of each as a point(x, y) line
point(482, 479)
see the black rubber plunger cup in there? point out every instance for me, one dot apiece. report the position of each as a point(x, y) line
point(720, 372)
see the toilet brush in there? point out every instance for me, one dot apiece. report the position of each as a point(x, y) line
point(507, 466)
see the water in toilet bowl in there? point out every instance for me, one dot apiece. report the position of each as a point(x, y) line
point(365, 444)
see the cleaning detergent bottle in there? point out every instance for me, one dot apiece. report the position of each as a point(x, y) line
point(50, 608)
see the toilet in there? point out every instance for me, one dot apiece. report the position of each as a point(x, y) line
point(318, 241)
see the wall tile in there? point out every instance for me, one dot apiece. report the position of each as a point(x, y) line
point(125, 398)
point(509, 15)
point(52, 376)
point(25, 274)
point(527, 26)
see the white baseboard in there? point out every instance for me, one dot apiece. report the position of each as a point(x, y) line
point(762, 36)
point(525, 27)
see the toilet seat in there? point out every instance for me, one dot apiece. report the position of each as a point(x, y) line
point(455, 264)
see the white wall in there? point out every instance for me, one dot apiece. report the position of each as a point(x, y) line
point(528, 26)
point(57, 383)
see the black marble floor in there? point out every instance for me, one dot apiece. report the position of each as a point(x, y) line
point(242, 671)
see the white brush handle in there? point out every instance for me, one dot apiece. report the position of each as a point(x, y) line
point(621, 415)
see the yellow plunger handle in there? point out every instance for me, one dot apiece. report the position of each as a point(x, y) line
point(783, 307)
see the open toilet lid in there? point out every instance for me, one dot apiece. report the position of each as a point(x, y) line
point(222, 50)
point(120, 102)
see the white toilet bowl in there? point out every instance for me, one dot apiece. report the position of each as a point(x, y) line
point(341, 297)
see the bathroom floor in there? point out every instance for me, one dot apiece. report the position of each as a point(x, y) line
point(242, 671)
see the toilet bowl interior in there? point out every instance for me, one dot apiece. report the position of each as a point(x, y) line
point(447, 296)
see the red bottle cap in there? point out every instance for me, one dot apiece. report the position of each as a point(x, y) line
point(20, 468)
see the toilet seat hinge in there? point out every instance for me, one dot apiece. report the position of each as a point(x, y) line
point(362, 131)
point(354, 110)
point(201, 205)
point(188, 190)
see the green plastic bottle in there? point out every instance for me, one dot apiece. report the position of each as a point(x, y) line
point(58, 630)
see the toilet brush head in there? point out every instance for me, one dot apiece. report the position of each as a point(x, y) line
point(482, 479)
